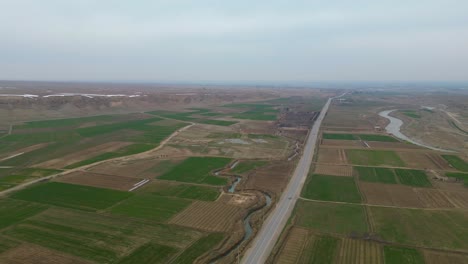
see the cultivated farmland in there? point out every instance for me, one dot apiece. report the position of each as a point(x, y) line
point(331, 188)
point(198, 170)
point(336, 170)
point(421, 227)
point(331, 218)
point(397, 255)
point(354, 251)
point(209, 216)
point(71, 196)
point(415, 178)
point(374, 157)
point(370, 174)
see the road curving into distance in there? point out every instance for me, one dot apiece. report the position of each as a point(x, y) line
point(274, 224)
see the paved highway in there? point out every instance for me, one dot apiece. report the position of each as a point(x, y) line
point(272, 227)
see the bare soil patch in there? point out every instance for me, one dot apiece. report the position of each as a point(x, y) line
point(209, 216)
point(417, 160)
point(337, 170)
point(82, 155)
point(438, 257)
point(459, 199)
point(390, 194)
point(341, 143)
point(293, 246)
point(391, 145)
point(33, 254)
point(272, 178)
point(440, 162)
point(100, 180)
point(332, 156)
point(433, 198)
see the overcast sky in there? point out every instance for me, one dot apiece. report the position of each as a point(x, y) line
point(241, 40)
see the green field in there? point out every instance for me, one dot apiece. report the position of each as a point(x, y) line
point(13, 211)
point(261, 112)
point(199, 248)
point(198, 170)
point(189, 116)
point(340, 136)
point(72, 196)
point(331, 188)
point(456, 162)
point(149, 253)
point(430, 228)
point(371, 174)
point(152, 207)
point(78, 134)
point(101, 238)
point(374, 157)
point(417, 178)
point(460, 176)
point(247, 165)
point(400, 255)
point(187, 192)
point(322, 251)
point(331, 218)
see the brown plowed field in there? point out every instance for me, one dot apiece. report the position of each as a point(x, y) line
point(337, 170)
point(82, 155)
point(459, 199)
point(437, 257)
point(439, 161)
point(390, 194)
point(271, 178)
point(332, 156)
point(354, 251)
point(132, 168)
point(433, 198)
point(209, 216)
point(391, 145)
point(417, 160)
point(32, 254)
point(100, 180)
point(293, 246)
point(341, 143)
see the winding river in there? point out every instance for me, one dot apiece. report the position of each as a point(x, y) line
point(394, 128)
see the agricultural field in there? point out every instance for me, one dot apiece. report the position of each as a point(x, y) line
point(331, 218)
point(397, 255)
point(99, 180)
point(372, 174)
point(415, 178)
point(13, 211)
point(390, 195)
point(335, 170)
point(418, 160)
point(198, 170)
point(261, 112)
point(200, 115)
point(149, 253)
point(459, 176)
point(74, 142)
point(33, 254)
point(245, 166)
point(354, 251)
point(14, 177)
point(331, 188)
point(374, 157)
point(456, 162)
point(184, 191)
point(148, 168)
point(99, 238)
point(71, 196)
point(364, 137)
point(208, 216)
point(421, 227)
point(198, 248)
point(151, 207)
point(332, 156)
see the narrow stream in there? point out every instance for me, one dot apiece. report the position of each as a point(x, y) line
point(394, 128)
point(248, 231)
